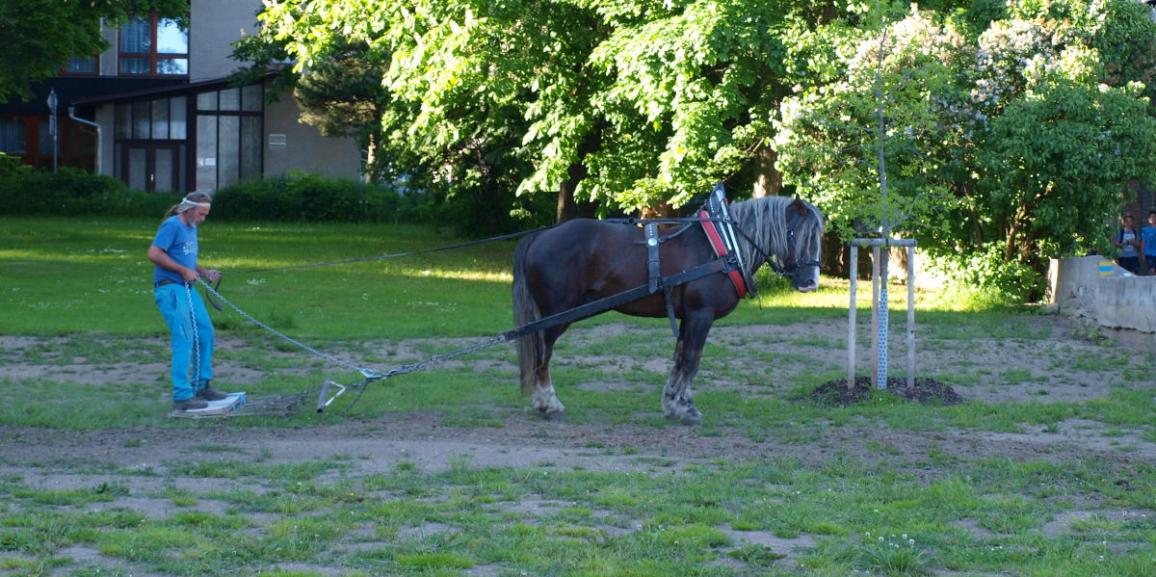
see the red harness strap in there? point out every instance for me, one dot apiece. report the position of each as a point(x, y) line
point(720, 250)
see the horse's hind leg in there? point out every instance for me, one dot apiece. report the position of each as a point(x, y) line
point(677, 400)
point(544, 399)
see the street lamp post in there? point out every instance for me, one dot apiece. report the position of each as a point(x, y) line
point(52, 102)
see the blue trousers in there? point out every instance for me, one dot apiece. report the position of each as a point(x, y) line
point(192, 340)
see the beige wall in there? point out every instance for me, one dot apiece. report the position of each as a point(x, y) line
point(215, 26)
point(108, 57)
point(104, 117)
point(304, 148)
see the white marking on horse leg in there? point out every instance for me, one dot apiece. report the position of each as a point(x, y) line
point(545, 400)
point(677, 401)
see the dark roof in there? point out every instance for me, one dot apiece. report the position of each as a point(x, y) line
point(80, 90)
point(157, 92)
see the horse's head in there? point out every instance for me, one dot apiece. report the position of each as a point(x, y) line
point(804, 245)
point(783, 232)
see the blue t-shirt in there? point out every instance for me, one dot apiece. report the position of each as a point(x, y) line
point(180, 243)
point(1149, 237)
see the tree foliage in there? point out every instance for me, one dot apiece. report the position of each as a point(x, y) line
point(1007, 129)
point(41, 35)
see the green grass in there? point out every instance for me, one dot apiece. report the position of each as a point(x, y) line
point(231, 509)
point(67, 276)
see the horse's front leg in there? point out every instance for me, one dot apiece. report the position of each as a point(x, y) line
point(677, 400)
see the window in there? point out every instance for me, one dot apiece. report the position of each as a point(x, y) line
point(161, 119)
point(153, 46)
point(12, 136)
point(228, 136)
point(82, 66)
point(150, 145)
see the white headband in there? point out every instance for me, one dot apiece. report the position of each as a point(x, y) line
point(186, 204)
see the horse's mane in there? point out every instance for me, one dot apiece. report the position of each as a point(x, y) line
point(766, 218)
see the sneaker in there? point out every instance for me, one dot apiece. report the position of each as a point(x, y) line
point(190, 404)
point(210, 394)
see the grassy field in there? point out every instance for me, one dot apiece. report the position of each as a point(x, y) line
point(1047, 469)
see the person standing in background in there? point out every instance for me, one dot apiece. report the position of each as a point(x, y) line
point(1148, 240)
point(1128, 241)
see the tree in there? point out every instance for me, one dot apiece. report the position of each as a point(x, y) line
point(340, 95)
point(41, 35)
point(627, 105)
point(1002, 148)
point(467, 83)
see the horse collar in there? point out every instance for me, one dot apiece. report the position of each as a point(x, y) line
point(737, 276)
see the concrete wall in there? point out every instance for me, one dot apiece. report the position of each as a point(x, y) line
point(1104, 293)
point(292, 145)
point(105, 117)
point(215, 26)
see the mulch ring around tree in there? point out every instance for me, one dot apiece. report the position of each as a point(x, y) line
point(926, 391)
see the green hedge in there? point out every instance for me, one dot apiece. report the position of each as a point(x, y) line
point(295, 197)
point(72, 192)
point(312, 198)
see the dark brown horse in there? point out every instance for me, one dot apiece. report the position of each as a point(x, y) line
point(584, 260)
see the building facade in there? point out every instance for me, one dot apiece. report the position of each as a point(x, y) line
point(157, 111)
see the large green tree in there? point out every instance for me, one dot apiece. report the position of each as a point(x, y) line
point(629, 105)
point(968, 105)
point(41, 35)
point(1004, 144)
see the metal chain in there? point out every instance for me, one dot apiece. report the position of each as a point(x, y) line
point(342, 363)
point(438, 359)
point(369, 374)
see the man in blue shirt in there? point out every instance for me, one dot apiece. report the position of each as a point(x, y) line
point(174, 252)
point(1148, 240)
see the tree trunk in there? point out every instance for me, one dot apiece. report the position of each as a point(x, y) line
point(372, 156)
point(768, 179)
point(663, 210)
point(568, 207)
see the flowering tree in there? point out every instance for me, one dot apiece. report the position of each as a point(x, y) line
point(1002, 149)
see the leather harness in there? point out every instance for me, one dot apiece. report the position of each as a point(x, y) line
point(719, 229)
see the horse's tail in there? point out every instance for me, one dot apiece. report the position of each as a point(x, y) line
point(532, 347)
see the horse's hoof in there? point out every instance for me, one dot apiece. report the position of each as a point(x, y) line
point(687, 414)
point(692, 417)
point(554, 413)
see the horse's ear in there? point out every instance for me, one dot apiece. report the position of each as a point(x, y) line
point(798, 205)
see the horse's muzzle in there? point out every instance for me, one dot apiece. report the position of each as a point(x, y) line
point(806, 279)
